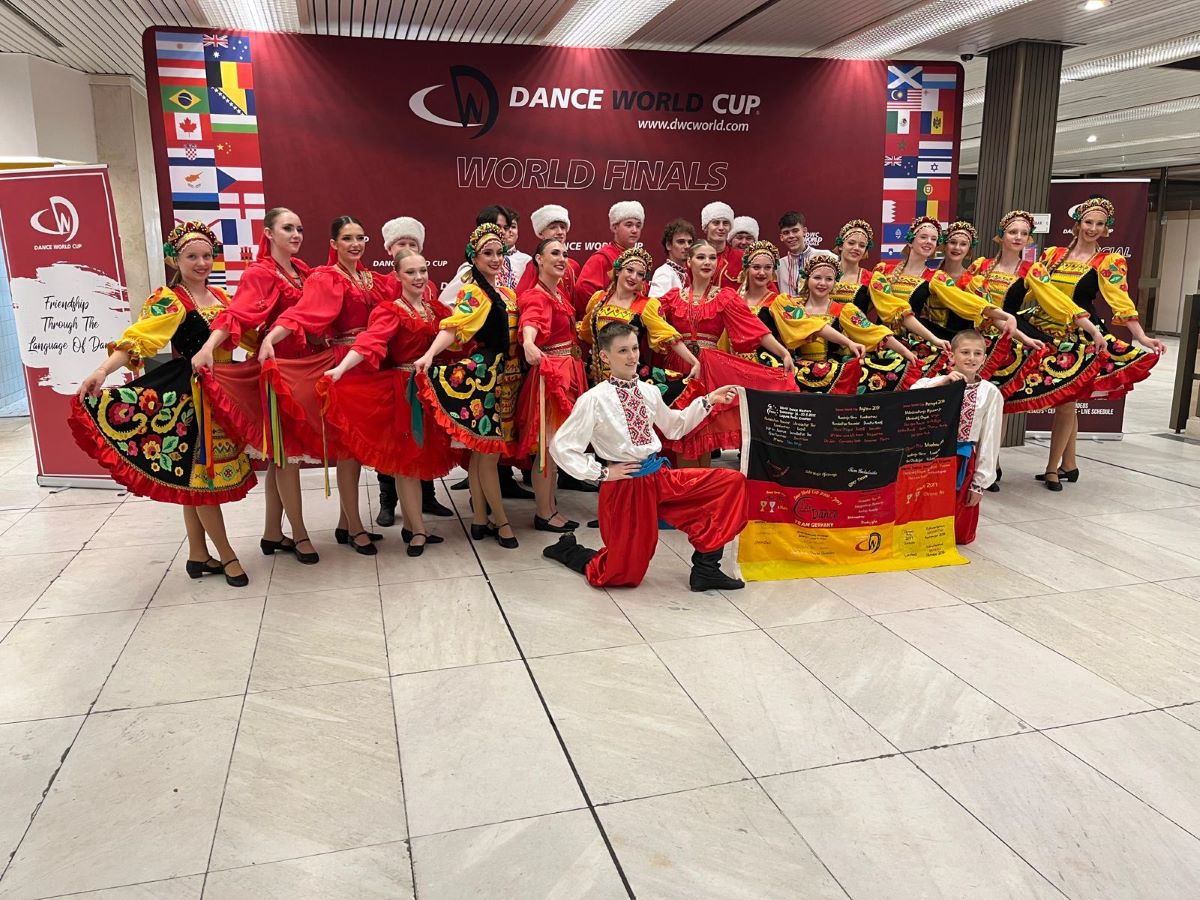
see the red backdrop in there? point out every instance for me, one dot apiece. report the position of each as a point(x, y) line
point(339, 125)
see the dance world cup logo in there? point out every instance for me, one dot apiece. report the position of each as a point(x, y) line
point(475, 99)
point(870, 544)
point(64, 218)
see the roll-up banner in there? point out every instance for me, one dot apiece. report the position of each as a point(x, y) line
point(63, 255)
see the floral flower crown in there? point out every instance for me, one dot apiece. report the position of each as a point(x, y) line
point(483, 234)
point(822, 258)
point(918, 222)
point(855, 225)
point(961, 227)
point(183, 234)
point(638, 253)
point(1096, 202)
point(757, 248)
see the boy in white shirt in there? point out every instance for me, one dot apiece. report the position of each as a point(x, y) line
point(979, 429)
point(617, 418)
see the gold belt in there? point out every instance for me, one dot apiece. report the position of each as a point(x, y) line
point(347, 337)
point(568, 348)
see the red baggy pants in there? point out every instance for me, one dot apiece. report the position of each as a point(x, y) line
point(708, 505)
point(966, 518)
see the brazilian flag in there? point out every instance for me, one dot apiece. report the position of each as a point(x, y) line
point(177, 99)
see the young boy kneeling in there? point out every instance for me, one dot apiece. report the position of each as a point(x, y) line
point(617, 418)
point(979, 429)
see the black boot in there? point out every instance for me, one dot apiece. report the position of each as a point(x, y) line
point(429, 502)
point(567, 483)
point(568, 552)
point(707, 575)
point(510, 489)
point(994, 487)
point(387, 500)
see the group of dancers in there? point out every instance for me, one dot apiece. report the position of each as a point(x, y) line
point(529, 360)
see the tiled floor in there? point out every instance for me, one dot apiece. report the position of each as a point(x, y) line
point(478, 723)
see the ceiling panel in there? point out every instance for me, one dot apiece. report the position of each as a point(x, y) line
point(104, 37)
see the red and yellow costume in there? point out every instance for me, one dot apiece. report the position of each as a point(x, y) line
point(594, 276)
point(552, 386)
point(845, 291)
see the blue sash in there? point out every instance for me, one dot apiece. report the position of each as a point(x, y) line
point(650, 465)
point(965, 450)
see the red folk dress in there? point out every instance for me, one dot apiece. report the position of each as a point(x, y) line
point(375, 409)
point(550, 388)
point(335, 308)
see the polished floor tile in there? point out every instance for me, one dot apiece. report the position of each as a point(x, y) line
point(86, 585)
point(981, 580)
point(1028, 679)
point(722, 842)
point(1059, 568)
point(630, 728)
point(662, 607)
point(52, 530)
point(770, 710)
point(187, 888)
point(443, 624)
point(886, 831)
point(1146, 560)
point(136, 800)
point(560, 855)
point(381, 872)
point(30, 755)
point(25, 578)
point(319, 638)
point(177, 588)
point(773, 603)
point(906, 696)
point(475, 749)
point(1084, 833)
point(884, 592)
point(339, 568)
point(56, 667)
point(281, 801)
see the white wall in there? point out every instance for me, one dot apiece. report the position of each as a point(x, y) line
point(62, 111)
point(18, 137)
point(1180, 272)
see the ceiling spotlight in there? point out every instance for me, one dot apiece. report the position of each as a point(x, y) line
point(1093, 5)
point(1091, 139)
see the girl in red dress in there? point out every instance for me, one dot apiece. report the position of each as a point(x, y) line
point(279, 417)
point(555, 378)
point(337, 302)
point(376, 411)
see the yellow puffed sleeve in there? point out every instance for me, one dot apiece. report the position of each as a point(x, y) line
point(660, 334)
point(944, 293)
point(584, 328)
point(1114, 288)
point(794, 327)
point(891, 308)
point(470, 311)
point(154, 328)
point(1055, 305)
point(860, 329)
point(973, 279)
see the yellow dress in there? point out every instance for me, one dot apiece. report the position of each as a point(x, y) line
point(655, 335)
point(165, 434)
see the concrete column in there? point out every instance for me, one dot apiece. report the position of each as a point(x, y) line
point(1016, 148)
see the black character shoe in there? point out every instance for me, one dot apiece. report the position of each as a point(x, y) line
point(429, 502)
point(207, 567)
point(479, 532)
point(429, 538)
point(594, 523)
point(568, 552)
point(308, 559)
point(707, 575)
point(284, 545)
point(541, 524)
point(461, 485)
point(1050, 480)
point(235, 580)
point(342, 535)
point(414, 548)
point(1071, 475)
point(367, 549)
point(508, 543)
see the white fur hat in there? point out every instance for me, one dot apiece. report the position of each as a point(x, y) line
point(746, 224)
point(626, 209)
point(404, 226)
point(715, 210)
point(547, 215)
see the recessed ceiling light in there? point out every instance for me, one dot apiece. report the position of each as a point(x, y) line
point(1091, 139)
point(1093, 5)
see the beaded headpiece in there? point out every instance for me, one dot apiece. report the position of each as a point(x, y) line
point(1013, 216)
point(1096, 202)
point(638, 253)
point(820, 258)
point(961, 227)
point(757, 249)
point(183, 234)
point(918, 222)
point(855, 225)
point(482, 235)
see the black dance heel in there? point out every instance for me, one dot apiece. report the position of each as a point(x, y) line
point(429, 538)
point(418, 549)
point(271, 547)
point(1054, 485)
point(343, 535)
point(364, 549)
point(235, 580)
point(308, 559)
point(479, 532)
point(1065, 475)
point(200, 569)
point(508, 543)
point(540, 524)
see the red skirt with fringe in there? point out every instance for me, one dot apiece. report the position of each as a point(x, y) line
point(547, 397)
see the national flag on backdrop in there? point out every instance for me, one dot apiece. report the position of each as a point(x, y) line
point(935, 159)
point(189, 127)
point(896, 232)
point(899, 166)
point(230, 101)
point(188, 153)
point(193, 182)
point(904, 76)
point(933, 122)
point(224, 124)
point(904, 98)
point(238, 149)
point(898, 121)
point(931, 100)
point(947, 80)
point(899, 145)
point(183, 99)
point(890, 251)
point(178, 45)
point(236, 233)
point(182, 72)
point(239, 179)
point(236, 48)
point(899, 206)
point(216, 40)
point(899, 184)
point(937, 189)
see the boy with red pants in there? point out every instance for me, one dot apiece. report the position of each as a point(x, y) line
point(617, 418)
